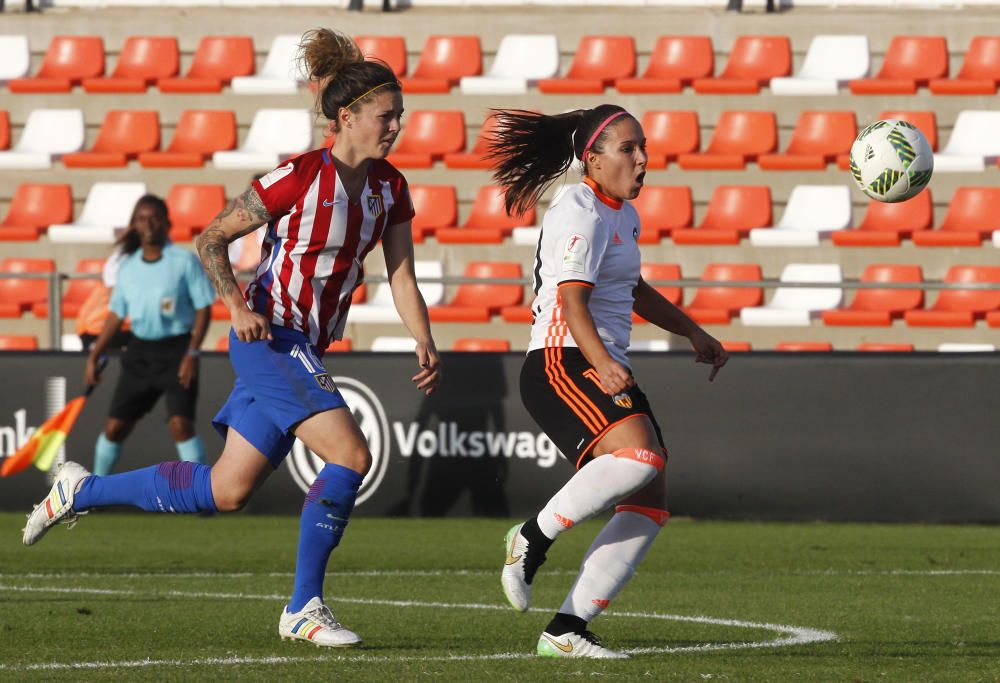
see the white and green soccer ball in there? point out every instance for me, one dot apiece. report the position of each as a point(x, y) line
point(891, 161)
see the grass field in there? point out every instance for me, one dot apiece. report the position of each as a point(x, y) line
point(134, 597)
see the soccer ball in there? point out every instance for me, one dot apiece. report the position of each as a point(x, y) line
point(891, 161)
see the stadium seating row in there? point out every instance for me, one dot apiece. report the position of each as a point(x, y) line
point(600, 61)
point(479, 302)
point(819, 138)
point(734, 213)
point(9, 342)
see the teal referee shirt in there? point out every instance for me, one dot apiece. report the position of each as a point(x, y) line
point(161, 296)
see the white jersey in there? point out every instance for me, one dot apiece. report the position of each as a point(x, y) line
point(588, 239)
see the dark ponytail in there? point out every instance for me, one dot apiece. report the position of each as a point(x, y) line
point(335, 63)
point(531, 150)
point(130, 241)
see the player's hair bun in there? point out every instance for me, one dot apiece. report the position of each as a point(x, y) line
point(325, 52)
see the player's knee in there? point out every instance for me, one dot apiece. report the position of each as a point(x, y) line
point(117, 430)
point(356, 457)
point(181, 427)
point(230, 501)
point(640, 465)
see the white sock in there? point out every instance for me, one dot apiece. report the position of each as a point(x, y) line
point(597, 486)
point(612, 559)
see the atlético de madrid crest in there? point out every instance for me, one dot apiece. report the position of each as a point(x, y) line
point(375, 206)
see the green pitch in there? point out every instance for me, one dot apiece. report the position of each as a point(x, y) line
point(145, 597)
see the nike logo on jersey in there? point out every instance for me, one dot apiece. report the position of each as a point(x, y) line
point(327, 202)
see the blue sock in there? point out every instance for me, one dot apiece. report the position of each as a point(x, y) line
point(325, 513)
point(168, 487)
point(106, 454)
point(192, 450)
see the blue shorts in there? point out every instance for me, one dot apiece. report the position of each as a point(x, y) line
point(278, 385)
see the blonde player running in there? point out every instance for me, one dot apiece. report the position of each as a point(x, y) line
point(325, 211)
point(576, 381)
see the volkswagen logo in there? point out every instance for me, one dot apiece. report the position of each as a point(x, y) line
point(370, 416)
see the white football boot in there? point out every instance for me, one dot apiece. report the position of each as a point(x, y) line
point(519, 569)
point(57, 507)
point(316, 624)
point(584, 644)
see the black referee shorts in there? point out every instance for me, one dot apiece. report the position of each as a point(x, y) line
point(563, 394)
point(149, 369)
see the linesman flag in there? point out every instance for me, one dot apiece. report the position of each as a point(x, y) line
point(43, 446)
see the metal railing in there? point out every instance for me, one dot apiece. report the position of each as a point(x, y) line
point(56, 280)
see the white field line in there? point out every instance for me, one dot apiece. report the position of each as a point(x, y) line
point(790, 635)
point(429, 573)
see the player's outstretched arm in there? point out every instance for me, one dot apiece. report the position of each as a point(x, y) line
point(652, 306)
point(397, 246)
point(241, 216)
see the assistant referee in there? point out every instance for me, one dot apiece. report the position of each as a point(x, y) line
point(164, 291)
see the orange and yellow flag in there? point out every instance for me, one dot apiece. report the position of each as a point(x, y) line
point(44, 444)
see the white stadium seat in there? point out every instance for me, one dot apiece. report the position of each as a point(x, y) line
point(813, 211)
point(391, 344)
point(280, 74)
point(974, 142)
point(15, 57)
point(649, 345)
point(796, 306)
point(47, 134)
point(996, 239)
point(521, 61)
point(105, 214)
point(830, 62)
point(381, 309)
point(274, 133)
point(951, 347)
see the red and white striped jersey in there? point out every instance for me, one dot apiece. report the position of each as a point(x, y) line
point(314, 249)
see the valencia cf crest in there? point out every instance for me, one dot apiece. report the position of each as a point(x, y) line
point(375, 205)
point(622, 400)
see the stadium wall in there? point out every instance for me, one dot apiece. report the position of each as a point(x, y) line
point(777, 436)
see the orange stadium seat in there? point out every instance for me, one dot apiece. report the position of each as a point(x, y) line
point(885, 224)
point(979, 73)
point(4, 129)
point(479, 344)
point(753, 61)
point(675, 63)
point(814, 347)
point(476, 157)
point(879, 307)
point(68, 61)
point(925, 121)
point(974, 213)
point(488, 222)
point(34, 208)
point(197, 136)
point(718, 305)
point(77, 292)
point(18, 342)
point(910, 62)
point(668, 134)
point(880, 347)
point(516, 314)
point(819, 137)
point(19, 295)
point(143, 61)
point(652, 272)
point(436, 207)
point(663, 209)
point(599, 62)
point(736, 346)
point(993, 318)
point(192, 207)
point(389, 49)
point(732, 212)
point(960, 307)
point(739, 137)
point(222, 343)
point(216, 62)
point(476, 303)
point(339, 346)
point(427, 137)
point(122, 137)
point(443, 62)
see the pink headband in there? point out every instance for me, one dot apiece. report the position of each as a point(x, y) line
point(600, 128)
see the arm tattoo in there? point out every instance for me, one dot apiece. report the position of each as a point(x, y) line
point(213, 243)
